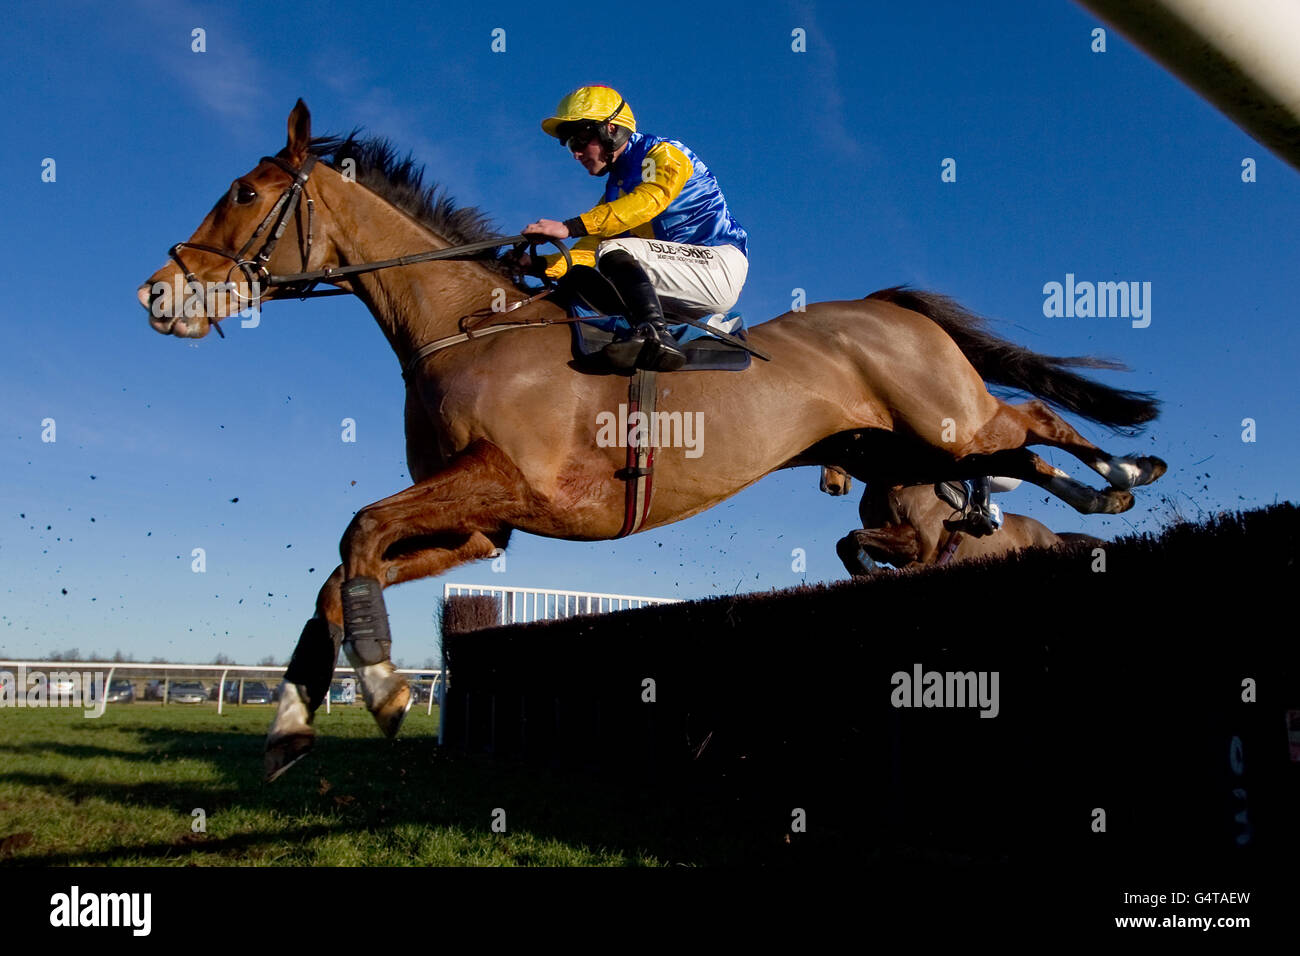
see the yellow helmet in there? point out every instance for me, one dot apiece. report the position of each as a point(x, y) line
point(602, 104)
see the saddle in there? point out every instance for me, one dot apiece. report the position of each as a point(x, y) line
point(585, 293)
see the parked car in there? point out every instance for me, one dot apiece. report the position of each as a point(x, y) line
point(187, 692)
point(121, 691)
point(255, 692)
point(153, 690)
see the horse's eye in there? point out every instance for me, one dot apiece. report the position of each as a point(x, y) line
point(242, 194)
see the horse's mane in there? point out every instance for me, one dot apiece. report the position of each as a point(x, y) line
point(400, 180)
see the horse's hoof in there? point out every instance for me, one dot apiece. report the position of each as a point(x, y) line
point(1115, 502)
point(283, 752)
point(1135, 471)
point(392, 712)
point(1153, 468)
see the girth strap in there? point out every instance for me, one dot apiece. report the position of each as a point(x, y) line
point(642, 396)
point(954, 541)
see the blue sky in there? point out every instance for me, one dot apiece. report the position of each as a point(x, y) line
point(1068, 161)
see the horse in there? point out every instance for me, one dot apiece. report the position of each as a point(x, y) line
point(906, 526)
point(501, 429)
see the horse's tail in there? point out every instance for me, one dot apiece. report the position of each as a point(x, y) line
point(1000, 362)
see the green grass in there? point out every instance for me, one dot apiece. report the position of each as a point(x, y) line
point(120, 790)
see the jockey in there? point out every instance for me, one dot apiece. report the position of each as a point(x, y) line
point(661, 233)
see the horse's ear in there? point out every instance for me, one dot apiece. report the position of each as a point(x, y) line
point(299, 132)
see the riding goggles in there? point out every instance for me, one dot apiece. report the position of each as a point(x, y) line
point(581, 136)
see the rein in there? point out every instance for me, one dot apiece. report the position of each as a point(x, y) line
point(454, 252)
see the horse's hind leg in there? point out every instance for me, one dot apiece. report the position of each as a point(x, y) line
point(1023, 463)
point(1042, 426)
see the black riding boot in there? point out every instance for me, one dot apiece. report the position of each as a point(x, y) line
point(981, 518)
point(650, 346)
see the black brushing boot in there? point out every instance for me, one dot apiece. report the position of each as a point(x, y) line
point(650, 346)
point(367, 643)
point(312, 664)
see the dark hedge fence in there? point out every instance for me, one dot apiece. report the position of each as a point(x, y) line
point(469, 612)
point(1119, 689)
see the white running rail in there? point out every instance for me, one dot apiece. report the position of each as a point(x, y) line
point(519, 605)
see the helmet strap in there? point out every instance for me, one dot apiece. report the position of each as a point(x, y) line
point(610, 144)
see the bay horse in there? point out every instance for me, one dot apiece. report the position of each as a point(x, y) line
point(501, 430)
point(906, 526)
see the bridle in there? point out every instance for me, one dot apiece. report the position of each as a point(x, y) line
point(255, 270)
point(259, 277)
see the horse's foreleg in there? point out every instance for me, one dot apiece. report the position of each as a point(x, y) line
point(306, 681)
point(898, 544)
point(855, 560)
point(386, 692)
point(311, 669)
point(445, 520)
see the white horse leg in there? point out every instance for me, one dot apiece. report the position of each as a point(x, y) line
point(306, 682)
point(290, 737)
point(1127, 471)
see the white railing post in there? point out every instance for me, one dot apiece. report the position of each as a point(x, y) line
point(221, 691)
point(442, 710)
point(520, 605)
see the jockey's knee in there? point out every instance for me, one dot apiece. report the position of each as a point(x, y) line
point(617, 260)
point(619, 249)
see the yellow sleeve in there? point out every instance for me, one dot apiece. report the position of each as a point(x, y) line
point(665, 170)
point(582, 252)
